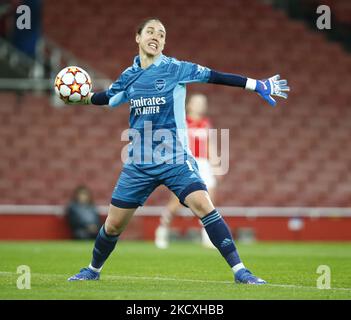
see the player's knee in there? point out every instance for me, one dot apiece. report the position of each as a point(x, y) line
point(201, 208)
point(199, 202)
point(113, 227)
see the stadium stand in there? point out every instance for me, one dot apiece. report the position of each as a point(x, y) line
point(297, 154)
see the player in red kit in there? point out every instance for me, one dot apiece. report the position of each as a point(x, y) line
point(198, 132)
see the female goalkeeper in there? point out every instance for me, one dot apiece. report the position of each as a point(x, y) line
point(154, 87)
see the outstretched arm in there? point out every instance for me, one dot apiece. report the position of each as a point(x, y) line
point(97, 98)
point(100, 98)
point(266, 88)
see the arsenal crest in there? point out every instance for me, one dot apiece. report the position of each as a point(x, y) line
point(160, 84)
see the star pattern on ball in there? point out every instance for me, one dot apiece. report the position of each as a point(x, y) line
point(58, 82)
point(72, 84)
point(73, 70)
point(75, 87)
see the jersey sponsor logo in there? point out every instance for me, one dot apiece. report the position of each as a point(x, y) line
point(160, 84)
point(146, 105)
point(147, 102)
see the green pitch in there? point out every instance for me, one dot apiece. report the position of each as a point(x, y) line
point(137, 270)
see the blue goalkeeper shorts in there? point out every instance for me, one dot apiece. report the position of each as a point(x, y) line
point(137, 182)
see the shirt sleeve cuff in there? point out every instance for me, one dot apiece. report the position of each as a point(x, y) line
point(100, 98)
point(250, 84)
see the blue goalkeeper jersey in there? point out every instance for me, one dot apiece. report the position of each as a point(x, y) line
point(156, 97)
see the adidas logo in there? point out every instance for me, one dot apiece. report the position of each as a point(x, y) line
point(226, 242)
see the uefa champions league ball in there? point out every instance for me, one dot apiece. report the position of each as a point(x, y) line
point(72, 84)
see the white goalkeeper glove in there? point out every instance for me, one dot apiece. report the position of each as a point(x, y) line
point(267, 88)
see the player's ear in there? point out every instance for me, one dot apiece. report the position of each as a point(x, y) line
point(137, 38)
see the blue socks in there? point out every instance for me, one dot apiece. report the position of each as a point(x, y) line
point(214, 224)
point(104, 245)
point(221, 237)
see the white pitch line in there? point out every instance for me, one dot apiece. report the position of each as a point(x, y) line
point(304, 287)
point(214, 281)
point(181, 280)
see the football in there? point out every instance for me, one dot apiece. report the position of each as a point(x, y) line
point(72, 84)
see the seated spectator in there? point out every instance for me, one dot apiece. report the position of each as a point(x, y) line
point(82, 214)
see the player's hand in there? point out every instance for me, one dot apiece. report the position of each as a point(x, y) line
point(272, 87)
point(85, 100)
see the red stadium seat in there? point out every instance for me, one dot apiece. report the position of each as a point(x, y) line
point(294, 154)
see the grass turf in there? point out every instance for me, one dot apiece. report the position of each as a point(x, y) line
point(137, 270)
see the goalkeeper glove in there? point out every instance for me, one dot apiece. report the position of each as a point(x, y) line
point(85, 100)
point(269, 87)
